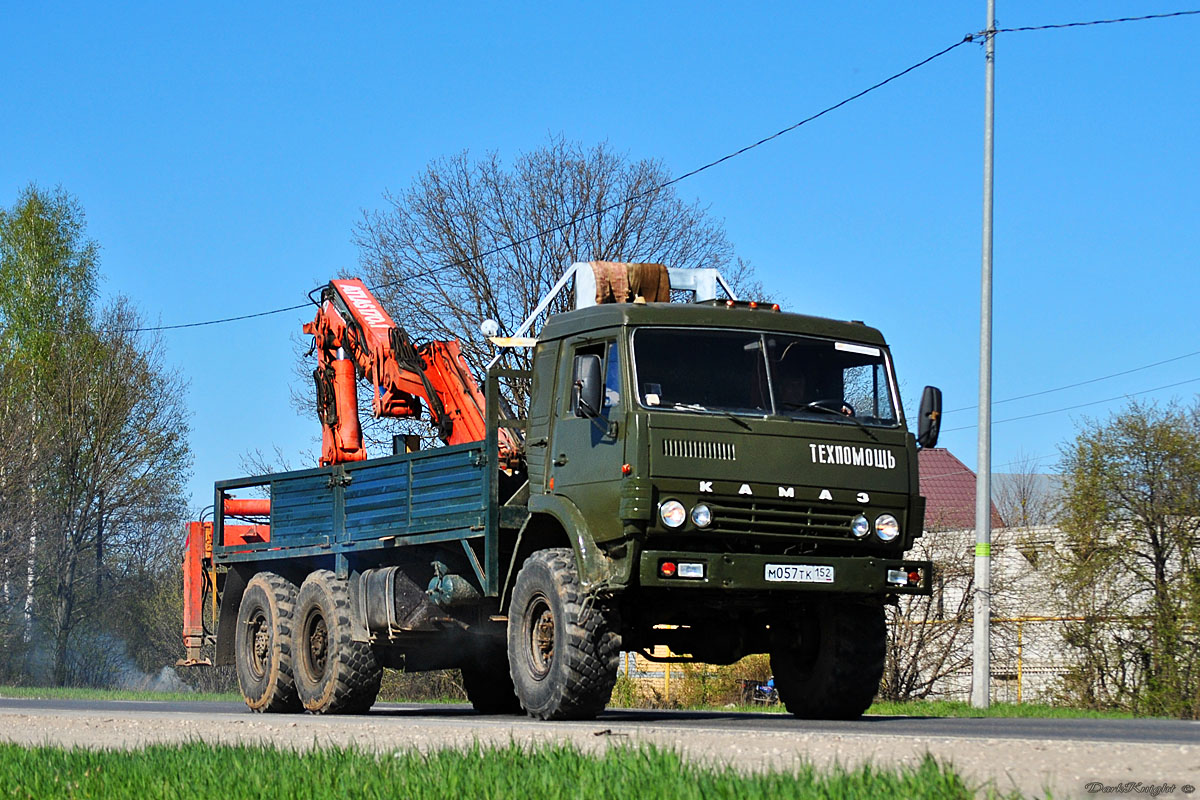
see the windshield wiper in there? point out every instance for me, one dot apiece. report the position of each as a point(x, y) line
point(702, 410)
point(816, 406)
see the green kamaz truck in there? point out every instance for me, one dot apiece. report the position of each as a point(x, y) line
point(717, 476)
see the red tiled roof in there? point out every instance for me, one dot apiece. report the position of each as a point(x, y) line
point(949, 489)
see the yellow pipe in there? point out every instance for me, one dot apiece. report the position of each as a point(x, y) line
point(969, 620)
point(1020, 625)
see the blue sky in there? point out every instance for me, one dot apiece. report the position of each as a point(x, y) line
point(224, 153)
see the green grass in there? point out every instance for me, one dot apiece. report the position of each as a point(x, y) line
point(544, 772)
point(60, 693)
point(912, 708)
point(421, 701)
point(953, 708)
point(934, 708)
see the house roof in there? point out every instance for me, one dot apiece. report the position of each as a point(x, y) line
point(948, 486)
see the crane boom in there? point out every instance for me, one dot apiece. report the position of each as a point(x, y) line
point(355, 337)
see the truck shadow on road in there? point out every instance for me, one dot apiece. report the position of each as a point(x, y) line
point(623, 715)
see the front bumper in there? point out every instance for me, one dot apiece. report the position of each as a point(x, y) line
point(747, 572)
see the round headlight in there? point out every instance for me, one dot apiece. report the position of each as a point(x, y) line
point(702, 515)
point(886, 527)
point(859, 526)
point(672, 513)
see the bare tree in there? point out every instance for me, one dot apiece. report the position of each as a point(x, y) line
point(927, 633)
point(258, 462)
point(929, 640)
point(1024, 497)
point(476, 239)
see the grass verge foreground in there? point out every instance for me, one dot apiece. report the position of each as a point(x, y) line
point(236, 772)
point(65, 693)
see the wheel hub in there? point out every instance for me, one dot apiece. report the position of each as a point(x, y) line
point(541, 637)
point(261, 644)
point(318, 645)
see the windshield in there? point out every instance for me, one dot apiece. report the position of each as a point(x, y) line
point(756, 373)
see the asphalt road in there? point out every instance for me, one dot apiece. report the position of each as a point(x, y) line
point(1141, 731)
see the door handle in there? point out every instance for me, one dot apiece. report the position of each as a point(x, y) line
point(561, 460)
point(542, 442)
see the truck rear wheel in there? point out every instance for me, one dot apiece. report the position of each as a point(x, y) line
point(487, 681)
point(561, 655)
point(830, 667)
point(263, 644)
point(334, 673)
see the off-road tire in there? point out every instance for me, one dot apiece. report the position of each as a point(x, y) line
point(334, 673)
point(562, 654)
point(487, 681)
point(829, 666)
point(263, 644)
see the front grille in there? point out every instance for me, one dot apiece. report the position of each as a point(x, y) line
point(686, 448)
point(758, 517)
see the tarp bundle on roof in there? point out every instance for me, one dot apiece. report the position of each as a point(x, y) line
point(621, 282)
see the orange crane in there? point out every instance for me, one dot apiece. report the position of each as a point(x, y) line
point(354, 337)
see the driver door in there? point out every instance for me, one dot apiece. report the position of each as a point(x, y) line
point(588, 450)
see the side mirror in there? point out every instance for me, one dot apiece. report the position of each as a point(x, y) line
point(930, 422)
point(587, 386)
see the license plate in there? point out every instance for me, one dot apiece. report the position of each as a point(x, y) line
point(798, 573)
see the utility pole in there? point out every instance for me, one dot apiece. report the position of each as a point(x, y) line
point(981, 663)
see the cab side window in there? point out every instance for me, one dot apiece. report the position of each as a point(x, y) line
point(612, 376)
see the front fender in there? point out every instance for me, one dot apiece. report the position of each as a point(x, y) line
point(596, 569)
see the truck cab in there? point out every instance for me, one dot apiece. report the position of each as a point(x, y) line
point(758, 463)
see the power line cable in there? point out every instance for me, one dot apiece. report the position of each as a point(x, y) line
point(213, 321)
point(603, 210)
point(1080, 383)
point(819, 114)
point(1036, 459)
point(1080, 405)
point(970, 37)
point(659, 187)
point(967, 470)
point(1088, 23)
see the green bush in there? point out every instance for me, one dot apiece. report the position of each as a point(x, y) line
point(710, 685)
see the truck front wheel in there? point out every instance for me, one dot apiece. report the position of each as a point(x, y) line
point(334, 673)
point(828, 665)
point(263, 644)
point(562, 655)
